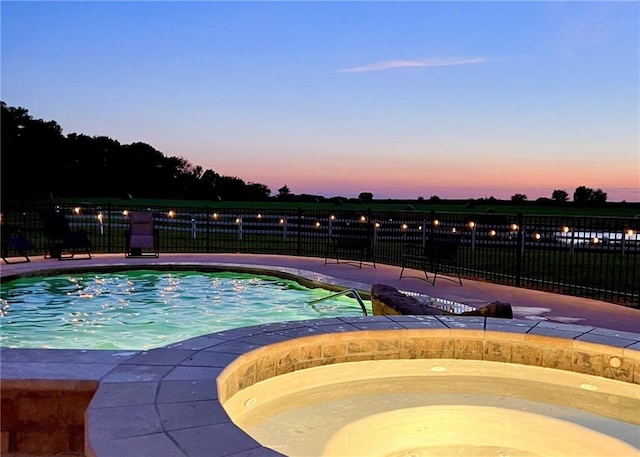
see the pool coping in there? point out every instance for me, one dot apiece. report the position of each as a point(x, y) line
point(166, 402)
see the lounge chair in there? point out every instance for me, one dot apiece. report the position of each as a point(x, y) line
point(439, 255)
point(62, 242)
point(142, 238)
point(349, 240)
point(20, 245)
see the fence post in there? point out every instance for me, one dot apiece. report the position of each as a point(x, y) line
point(109, 226)
point(208, 216)
point(520, 248)
point(239, 223)
point(299, 238)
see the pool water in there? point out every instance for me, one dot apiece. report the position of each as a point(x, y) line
point(143, 309)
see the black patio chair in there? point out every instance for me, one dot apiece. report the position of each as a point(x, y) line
point(62, 242)
point(18, 244)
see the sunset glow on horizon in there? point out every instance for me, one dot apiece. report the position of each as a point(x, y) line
point(401, 99)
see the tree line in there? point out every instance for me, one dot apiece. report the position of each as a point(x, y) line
point(39, 161)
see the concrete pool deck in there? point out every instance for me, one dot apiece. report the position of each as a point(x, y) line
point(167, 401)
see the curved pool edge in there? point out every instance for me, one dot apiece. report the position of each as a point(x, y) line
point(168, 401)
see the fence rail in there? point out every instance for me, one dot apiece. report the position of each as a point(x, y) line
point(595, 257)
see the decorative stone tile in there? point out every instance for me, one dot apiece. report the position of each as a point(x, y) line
point(618, 368)
point(496, 351)
point(413, 348)
point(309, 352)
point(360, 347)
point(334, 349)
point(386, 346)
point(557, 357)
point(358, 358)
point(526, 354)
point(266, 367)
point(333, 360)
point(246, 374)
point(636, 372)
point(468, 349)
point(287, 361)
point(587, 362)
point(440, 348)
point(302, 365)
point(385, 357)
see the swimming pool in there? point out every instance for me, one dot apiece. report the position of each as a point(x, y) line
point(143, 309)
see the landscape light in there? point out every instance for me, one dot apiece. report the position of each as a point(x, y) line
point(238, 220)
point(363, 218)
point(595, 240)
point(332, 217)
point(317, 224)
point(564, 229)
point(537, 236)
point(419, 228)
point(282, 221)
point(377, 225)
point(171, 213)
point(259, 216)
point(453, 230)
point(76, 210)
point(492, 233)
point(100, 217)
point(214, 215)
point(404, 227)
point(125, 213)
point(435, 222)
point(630, 232)
point(513, 227)
point(471, 224)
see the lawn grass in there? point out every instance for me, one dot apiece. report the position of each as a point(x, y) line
point(452, 206)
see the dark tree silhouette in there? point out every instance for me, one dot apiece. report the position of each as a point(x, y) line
point(560, 195)
point(38, 160)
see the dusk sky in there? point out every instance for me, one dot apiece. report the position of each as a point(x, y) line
point(401, 99)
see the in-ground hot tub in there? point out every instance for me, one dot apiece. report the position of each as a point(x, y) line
point(390, 393)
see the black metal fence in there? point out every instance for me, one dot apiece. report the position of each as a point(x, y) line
point(595, 257)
